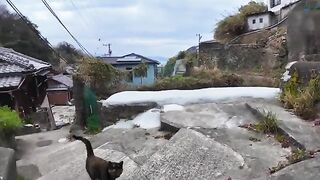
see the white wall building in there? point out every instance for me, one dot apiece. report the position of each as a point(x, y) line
point(277, 11)
point(259, 20)
point(276, 5)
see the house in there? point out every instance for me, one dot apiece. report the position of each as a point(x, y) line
point(277, 11)
point(129, 62)
point(260, 20)
point(59, 89)
point(22, 81)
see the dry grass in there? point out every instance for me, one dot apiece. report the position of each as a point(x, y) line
point(198, 79)
point(302, 99)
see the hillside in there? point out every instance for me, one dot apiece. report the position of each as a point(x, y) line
point(16, 34)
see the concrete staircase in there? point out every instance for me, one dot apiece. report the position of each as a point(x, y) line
point(189, 155)
point(210, 147)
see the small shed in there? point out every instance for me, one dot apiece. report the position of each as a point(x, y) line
point(260, 20)
point(60, 89)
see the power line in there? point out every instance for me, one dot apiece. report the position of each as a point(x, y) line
point(73, 37)
point(98, 34)
point(30, 26)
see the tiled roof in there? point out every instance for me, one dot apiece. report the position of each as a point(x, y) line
point(14, 65)
point(63, 79)
point(10, 81)
point(10, 68)
point(29, 63)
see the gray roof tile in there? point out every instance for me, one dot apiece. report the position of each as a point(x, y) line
point(24, 61)
point(10, 81)
point(10, 68)
point(63, 79)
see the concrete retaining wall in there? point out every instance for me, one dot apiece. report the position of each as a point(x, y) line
point(8, 169)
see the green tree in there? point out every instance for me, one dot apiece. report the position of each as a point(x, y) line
point(69, 52)
point(100, 76)
point(141, 71)
point(234, 25)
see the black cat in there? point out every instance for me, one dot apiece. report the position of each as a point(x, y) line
point(97, 168)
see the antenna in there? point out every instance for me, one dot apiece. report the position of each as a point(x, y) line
point(109, 49)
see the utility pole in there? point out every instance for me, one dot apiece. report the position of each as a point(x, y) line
point(109, 49)
point(198, 49)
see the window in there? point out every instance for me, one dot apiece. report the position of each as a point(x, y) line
point(274, 3)
point(253, 21)
point(261, 20)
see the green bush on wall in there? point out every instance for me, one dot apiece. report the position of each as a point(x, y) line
point(9, 120)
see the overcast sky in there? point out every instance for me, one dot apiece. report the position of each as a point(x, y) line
point(146, 27)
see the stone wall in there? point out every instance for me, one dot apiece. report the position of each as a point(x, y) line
point(236, 56)
point(304, 32)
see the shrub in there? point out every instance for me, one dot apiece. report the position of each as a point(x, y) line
point(234, 25)
point(301, 99)
point(201, 79)
point(103, 78)
point(9, 120)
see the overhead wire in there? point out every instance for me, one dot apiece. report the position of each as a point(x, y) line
point(30, 26)
point(92, 22)
point(72, 36)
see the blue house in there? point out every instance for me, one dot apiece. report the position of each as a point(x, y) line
point(129, 62)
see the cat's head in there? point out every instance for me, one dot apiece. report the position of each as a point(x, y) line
point(115, 169)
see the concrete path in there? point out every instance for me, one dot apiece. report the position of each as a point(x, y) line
point(302, 131)
point(221, 123)
point(189, 155)
point(209, 145)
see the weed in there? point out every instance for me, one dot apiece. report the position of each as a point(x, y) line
point(269, 123)
point(253, 139)
point(21, 178)
point(298, 155)
point(301, 99)
point(285, 142)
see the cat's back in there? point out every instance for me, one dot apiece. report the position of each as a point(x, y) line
point(96, 166)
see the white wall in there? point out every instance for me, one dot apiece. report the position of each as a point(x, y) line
point(258, 25)
point(278, 7)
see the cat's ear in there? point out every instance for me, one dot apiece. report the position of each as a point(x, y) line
point(121, 163)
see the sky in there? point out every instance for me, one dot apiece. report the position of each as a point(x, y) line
point(153, 28)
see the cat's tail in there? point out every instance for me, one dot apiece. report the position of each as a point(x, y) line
point(87, 143)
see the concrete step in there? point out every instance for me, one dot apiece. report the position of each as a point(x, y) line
point(75, 169)
point(189, 155)
point(209, 116)
point(302, 131)
point(49, 162)
point(220, 121)
point(306, 170)
point(137, 144)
